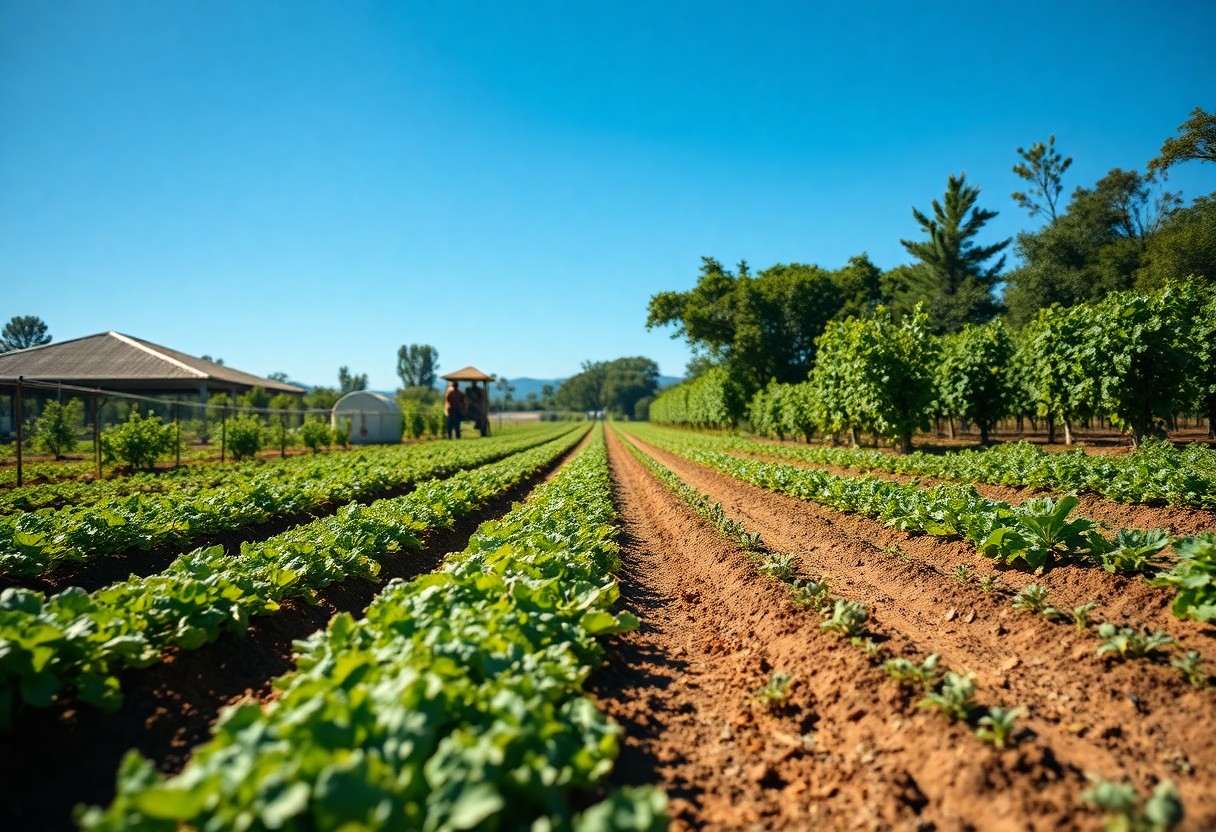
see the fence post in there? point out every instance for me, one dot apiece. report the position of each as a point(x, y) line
point(17, 417)
point(97, 435)
point(223, 433)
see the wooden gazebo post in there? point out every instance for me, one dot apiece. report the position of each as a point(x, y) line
point(473, 375)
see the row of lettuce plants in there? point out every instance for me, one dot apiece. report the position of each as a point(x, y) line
point(456, 703)
point(1155, 473)
point(78, 642)
point(1030, 536)
point(36, 542)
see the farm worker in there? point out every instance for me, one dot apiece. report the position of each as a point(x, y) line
point(453, 407)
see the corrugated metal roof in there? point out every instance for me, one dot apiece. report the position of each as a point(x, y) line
point(115, 358)
point(467, 374)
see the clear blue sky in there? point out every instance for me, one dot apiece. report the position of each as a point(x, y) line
point(299, 185)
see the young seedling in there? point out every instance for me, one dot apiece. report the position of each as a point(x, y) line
point(996, 726)
point(1131, 551)
point(1032, 599)
point(1080, 615)
point(1127, 643)
point(782, 566)
point(1160, 813)
point(988, 583)
point(868, 646)
point(905, 672)
point(955, 698)
point(1189, 665)
point(962, 575)
point(847, 619)
point(774, 692)
point(810, 594)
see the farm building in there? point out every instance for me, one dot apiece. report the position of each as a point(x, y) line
point(374, 419)
point(118, 363)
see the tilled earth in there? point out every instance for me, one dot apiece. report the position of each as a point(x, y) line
point(849, 750)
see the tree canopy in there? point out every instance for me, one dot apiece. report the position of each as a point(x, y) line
point(348, 383)
point(1196, 142)
point(23, 332)
point(615, 386)
point(417, 365)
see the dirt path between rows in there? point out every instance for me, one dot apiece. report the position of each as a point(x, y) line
point(1135, 719)
point(1177, 520)
point(847, 751)
point(59, 757)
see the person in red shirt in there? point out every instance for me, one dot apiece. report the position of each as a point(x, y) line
point(453, 408)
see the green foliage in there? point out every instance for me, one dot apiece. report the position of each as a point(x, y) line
point(22, 332)
point(1191, 666)
point(1124, 812)
point(711, 400)
point(417, 365)
point(1080, 615)
point(1032, 599)
point(973, 380)
point(349, 382)
point(951, 278)
point(811, 594)
point(254, 397)
point(321, 398)
point(1037, 532)
point(139, 441)
point(615, 386)
point(1194, 577)
point(846, 619)
point(55, 430)
point(1196, 142)
point(923, 675)
point(774, 693)
point(876, 375)
point(1184, 245)
point(244, 436)
point(315, 434)
point(780, 565)
point(954, 699)
point(997, 725)
point(1129, 643)
point(1134, 552)
point(1043, 167)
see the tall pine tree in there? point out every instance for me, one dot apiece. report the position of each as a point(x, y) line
point(951, 278)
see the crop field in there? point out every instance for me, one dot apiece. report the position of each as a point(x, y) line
point(627, 627)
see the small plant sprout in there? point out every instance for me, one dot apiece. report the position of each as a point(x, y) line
point(868, 646)
point(996, 726)
point(847, 618)
point(810, 594)
point(955, 698)
point(1189, 665)
point(1127, 643)
point(781, 566)
point(905, 672)
point(1124, 812)
point(962, 575)
point(1032, 598)
point(988, 583)
point(774, 692)
point(1080, 615)
point(751, 541)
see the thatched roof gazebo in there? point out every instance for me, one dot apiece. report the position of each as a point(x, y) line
point(477, 399)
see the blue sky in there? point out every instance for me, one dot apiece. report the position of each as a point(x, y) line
point(300, 185)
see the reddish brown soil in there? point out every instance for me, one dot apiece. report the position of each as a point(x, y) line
point(55, 759)
point(1135, 719)
point(1174, 519)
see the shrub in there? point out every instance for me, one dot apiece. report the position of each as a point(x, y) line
point(138, 442)
point(244, 436)
point(55, 430)
point(315, 434)
point(340, 436)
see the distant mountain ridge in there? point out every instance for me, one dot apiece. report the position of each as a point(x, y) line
point(525, 385)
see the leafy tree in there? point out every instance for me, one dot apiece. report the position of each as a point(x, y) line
point(1185, 245)
point(973, 376)
point(1043, 167)
point(348, 383)
point(951, 278)
point(1060, 364)
point(23, 332)
point(615, 386)
point(254, 397)
point(219, 361)
point(1201, 334)
point(584, 391)
point(55, 430)
point(244, 436)
point(711, 400)
point(417, 365)
point(876, 374)
point(139, 441)
point(1197, 142)
point(279, 427)
point(277, 375)
point(321, 398)
point(764, 326)
point(1095, 248)
point(506, 390)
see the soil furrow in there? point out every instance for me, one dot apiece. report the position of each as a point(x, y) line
point(57, 758)
point(1136, 718)
point(846, 751)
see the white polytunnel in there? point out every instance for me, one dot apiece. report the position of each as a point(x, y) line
point(374, 419)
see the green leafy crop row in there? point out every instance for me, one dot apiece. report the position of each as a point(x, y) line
point(34, 542)
point(1029, 536)
point(76, 641)
point(456, 703)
